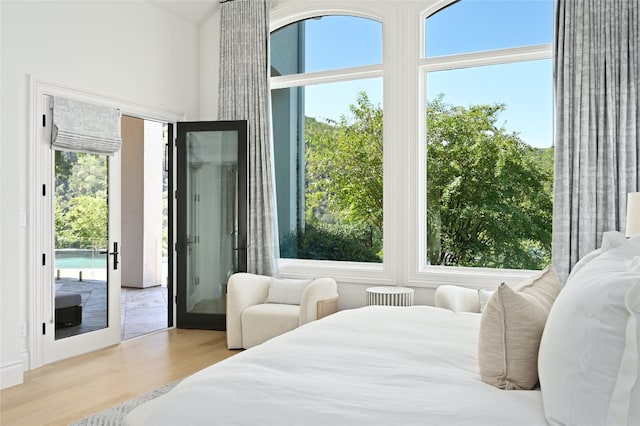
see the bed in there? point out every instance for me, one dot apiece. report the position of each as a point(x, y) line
point(376, 365)
point(382, 365)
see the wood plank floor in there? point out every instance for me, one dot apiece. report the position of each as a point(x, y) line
point(69, 390)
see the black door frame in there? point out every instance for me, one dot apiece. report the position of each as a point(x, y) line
point(170, 221)
point(199, 320)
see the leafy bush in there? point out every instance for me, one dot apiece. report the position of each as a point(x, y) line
point(331, 242)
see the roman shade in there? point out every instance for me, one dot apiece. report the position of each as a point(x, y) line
point(84, 127)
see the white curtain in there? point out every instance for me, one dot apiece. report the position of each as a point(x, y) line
point(84, 127)
point(244, 95)
point(597, 145)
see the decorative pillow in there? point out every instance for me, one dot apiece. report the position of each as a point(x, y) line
point(510, 329)
point(589, 353)
point(286, 291)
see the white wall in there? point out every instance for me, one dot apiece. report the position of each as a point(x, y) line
point(126, 49)
point(209, 54)
point(132, 205)
point(153, 213)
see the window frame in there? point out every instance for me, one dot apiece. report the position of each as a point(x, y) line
point(403, 69)
point(432, 276)
point(343, 271)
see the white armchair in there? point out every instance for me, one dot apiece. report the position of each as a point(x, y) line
point(457, 299)
point(253, 317)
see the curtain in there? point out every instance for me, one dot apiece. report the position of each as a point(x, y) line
point(244, 95)
point(597, 146)
point(84, 127)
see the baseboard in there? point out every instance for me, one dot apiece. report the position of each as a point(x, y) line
point(26, 364)
point(11, 374)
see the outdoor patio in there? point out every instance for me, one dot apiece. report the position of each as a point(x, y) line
point(142, 310)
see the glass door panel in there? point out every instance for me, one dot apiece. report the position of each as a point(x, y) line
point(81, 243)
point(85, 274)
point(211, 218)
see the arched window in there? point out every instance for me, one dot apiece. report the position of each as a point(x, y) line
point(326, 80)
point(489, 156)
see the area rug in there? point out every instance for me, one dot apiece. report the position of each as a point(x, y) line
point(114, 416)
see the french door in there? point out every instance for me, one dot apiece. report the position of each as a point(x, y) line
point(212, 218)
point(81, 272)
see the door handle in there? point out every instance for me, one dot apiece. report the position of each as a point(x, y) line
point(115, 253)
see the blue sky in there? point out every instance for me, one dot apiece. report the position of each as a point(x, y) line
point(471, 25)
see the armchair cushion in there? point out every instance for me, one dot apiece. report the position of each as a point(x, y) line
point(268, 320)
point(286, 291)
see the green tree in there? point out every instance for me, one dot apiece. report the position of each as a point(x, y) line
point(343, 193)
point(80, 178)
point(488, 193)
point(319, 142)
point(87, 219)
point(344, 165)
point(489, 199)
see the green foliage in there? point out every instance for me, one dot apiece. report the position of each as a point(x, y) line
point(81, 210)
point(87, 218)
point(343, 199)
point(489, 194)
point(344, 166)
point(330, 242)
point(488, 198)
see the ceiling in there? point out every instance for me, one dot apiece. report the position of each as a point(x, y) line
point(195, 11)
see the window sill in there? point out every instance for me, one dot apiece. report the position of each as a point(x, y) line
point(476, 278)
point(378, 274)
point(348, 272)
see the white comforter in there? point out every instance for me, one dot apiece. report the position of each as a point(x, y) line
point(369, 366)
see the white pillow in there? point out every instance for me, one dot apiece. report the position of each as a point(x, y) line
point(610, 240)
point(286, 291)
point(588, 360)
point(625, 401)
point(484, 296)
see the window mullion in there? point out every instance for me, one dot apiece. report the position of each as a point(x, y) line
point(501, 56)
point(309, 79)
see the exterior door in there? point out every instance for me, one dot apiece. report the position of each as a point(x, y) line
point(83, 274)
point(212, 218)
point(73, 202)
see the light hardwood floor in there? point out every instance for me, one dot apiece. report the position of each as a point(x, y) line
point(69, 390)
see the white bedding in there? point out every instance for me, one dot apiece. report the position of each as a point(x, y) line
point(370, 366)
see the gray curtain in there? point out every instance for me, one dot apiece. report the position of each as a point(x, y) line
point(597, 145)
point(244, 95)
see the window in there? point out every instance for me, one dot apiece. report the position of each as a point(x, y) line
point(457, 76)
point(489, 153)
point(327, 131)
point(481, 25)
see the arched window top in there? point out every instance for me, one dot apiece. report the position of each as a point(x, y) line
point(325, 43)
point(478, 25)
